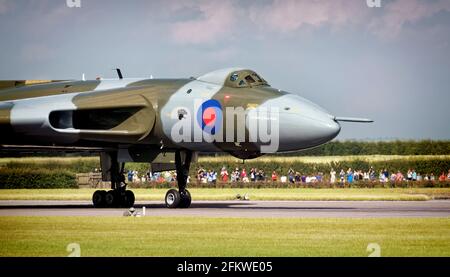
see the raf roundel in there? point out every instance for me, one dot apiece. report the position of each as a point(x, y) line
point(209, 116)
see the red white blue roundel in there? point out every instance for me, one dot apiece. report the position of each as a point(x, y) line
point(209, 116)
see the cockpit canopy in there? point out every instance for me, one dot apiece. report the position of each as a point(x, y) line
point(235, 78)
point(245, 79)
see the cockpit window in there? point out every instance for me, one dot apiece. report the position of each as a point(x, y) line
point(234, 77)
point(245, 78)
point(257, 77)
point(249, 79)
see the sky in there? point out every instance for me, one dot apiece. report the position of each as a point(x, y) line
point(388, 63)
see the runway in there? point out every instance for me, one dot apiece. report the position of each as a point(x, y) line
point(270, 209)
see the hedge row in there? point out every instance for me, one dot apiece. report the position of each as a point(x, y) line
point(425, 166)
point(435, 166)
point(36, 179)
point(338, 148)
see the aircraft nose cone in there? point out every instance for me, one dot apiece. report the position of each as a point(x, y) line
point(303, 124)
point(299, 132)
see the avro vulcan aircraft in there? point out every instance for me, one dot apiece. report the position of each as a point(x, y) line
point(164, 122)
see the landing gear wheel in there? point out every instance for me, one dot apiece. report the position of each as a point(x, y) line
point(186, 199)
point(128, 199)
point(98, 198)
point(111, 198)
point(172, 199)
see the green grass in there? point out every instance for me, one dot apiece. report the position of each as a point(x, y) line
point(417, 194)
point(155, 236)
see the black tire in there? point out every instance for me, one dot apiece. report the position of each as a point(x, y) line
point(111, 199)
point(172, 199)
point(98, 199)
point(128, 199)
point(186, 200)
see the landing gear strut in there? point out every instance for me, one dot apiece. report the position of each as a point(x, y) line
point(180, 198)
point(118, 196)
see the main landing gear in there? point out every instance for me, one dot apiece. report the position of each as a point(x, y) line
point(118, 196)
point(180, 198)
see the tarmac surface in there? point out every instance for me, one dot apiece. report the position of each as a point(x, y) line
point(271, 209)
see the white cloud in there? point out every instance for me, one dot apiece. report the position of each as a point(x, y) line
point(291, 15)
point(401, 12)
point(214, 22)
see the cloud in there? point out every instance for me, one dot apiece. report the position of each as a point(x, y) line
point(290, 15)
point(214, 20)
point(399, 13)
point(286, 16)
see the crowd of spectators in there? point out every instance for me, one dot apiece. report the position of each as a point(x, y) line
point(258, 175)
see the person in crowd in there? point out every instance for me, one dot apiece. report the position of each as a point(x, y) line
point(283, 179)
point(200, 175)
point(130, 176)
point(135, 176)
point(291, 176)
point(319, 176)
point(342, 177)
point(361, 175)
point(224, 174)
point(243, 174)
point(366, 176)
point(448, 175)
point(209, 176)
point(274, 176)
point(399, 177)
point(355, 176)
point(372, 174)
point(350, 176)
point(432, 178)
point(419, 177)
point(298, 177)
point(393, 177)
point(237, 174)
point(332, 176)
point(233, 177)
point(386, 174)
point(413, 175)
point(214, 177)
point(260, 176)
point(382, 177)
point(409, 175)
point(253, 175)
point(442, 178)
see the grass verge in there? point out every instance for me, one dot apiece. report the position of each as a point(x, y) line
point(155, 236)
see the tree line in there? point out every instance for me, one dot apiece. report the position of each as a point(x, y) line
point(397, 147)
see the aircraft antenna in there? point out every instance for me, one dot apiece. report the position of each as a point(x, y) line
point(119, 73)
